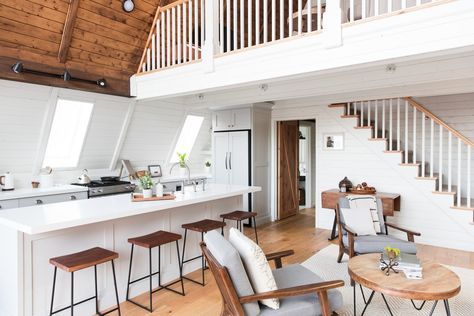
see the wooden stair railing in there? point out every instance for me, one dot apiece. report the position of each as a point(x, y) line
point(440, 152)
point(175, 36)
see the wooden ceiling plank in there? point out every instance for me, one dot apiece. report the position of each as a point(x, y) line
point(68, 29)
point(26, 29)
point(104, 51)
point(58, 5)
point(28, 41)
point(102, 60)
point(33, 20)
point(121, 17)
point(112, 24)
point(35, 9)
point(116, 39)
point(117, 6)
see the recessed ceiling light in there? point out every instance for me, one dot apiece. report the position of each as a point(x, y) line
point(128, 5)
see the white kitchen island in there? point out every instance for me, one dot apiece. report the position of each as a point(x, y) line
point(29, 236)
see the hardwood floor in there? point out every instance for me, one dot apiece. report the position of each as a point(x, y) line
point(297, 233)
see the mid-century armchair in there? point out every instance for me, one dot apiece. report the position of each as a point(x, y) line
point(301, 292)
point(353, 245)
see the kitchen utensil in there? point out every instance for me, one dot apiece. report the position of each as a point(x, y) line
point(84, 178)
point(7, 181)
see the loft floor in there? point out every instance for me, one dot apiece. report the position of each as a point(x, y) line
point(297, 233)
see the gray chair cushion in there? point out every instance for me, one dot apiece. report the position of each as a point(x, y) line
point(304, 305)
point(228, 257)
point(344, 203)
point(376, 244)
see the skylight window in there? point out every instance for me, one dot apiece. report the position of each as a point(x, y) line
point(187, 137)
point(68, 131)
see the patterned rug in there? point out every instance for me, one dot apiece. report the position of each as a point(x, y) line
point(324, 264)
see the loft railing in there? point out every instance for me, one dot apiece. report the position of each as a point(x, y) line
point(176, 36)
point(192, 30)
point(423, 139)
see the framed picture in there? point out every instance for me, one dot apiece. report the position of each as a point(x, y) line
point(333, 141)
point(155, 171)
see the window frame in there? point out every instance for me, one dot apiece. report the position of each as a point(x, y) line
point(46, 133)
point(178, 134)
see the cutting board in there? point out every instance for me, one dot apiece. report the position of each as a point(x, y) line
point(140, 198)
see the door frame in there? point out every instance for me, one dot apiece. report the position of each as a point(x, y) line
point(274, 161)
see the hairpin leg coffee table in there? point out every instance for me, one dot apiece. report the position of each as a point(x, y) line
point(438, 283)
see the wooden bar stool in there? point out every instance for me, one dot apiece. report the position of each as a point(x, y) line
point(150, 241)
point(202, 227)
point(239, 216)
point(79, 261)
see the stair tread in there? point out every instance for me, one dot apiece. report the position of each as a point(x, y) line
point(337, 105)
point(463, 205)
point(350, 116)
point(364, 127)
point(444, 189)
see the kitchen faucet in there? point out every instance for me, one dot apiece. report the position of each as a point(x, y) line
point(194, 183)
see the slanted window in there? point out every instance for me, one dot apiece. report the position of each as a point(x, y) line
point(187, 137)
point(68, 131)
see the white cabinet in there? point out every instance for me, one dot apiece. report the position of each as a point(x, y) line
point(5, 204)
point(235, 119)
point(47, 199)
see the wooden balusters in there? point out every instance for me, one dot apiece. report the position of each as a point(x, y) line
point(468, 180)
point(376, 119)
point(459, 174)
point(290, 18)
point(431, 148)
point(390, 138)
point(440, 165)
point(450, 161)
point(383, 119)
point(414, 136)
point(406, 131)
point(423, 158)
point(398, 124)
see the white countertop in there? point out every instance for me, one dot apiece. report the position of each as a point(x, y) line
point(30, 192)
point(49, 217)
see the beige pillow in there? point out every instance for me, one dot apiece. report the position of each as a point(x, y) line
point(359, 220)
point(256, 265)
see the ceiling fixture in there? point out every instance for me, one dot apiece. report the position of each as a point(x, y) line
point(128, 5)
point(18, 68)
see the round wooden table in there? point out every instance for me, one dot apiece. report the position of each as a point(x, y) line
point(438, 283)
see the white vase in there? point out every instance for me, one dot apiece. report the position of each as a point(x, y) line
point(182, 172)
point(147, 193)
point(207, 169)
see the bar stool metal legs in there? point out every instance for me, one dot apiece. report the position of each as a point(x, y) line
point(95, 297)
point(150, 277)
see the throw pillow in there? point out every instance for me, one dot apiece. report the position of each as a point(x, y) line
point(359, 220)
point(256, 265)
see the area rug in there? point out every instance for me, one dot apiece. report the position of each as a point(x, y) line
point(324, 264)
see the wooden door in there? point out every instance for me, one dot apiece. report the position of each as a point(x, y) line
point(288, 150)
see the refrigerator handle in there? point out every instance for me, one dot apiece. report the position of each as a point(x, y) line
point(230, 157)
point(226, 167)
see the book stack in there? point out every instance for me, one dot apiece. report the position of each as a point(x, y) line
point(409, 264)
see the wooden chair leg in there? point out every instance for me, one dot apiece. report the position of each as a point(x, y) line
point(324, 302)
point(339, 257)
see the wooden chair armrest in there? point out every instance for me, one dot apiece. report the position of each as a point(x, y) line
point(276, 257)
point(293, 291)
point(410, 234)
point(348, 230)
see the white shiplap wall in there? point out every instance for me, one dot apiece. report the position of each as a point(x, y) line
point(153, 128)
point(362, 160)
point(152, 133)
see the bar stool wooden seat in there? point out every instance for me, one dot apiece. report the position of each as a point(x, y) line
point(239, 216)
point(150, 241)
point(79, 261)
point(202, 227)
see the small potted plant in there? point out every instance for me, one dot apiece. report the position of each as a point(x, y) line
point(182, 163)
point(392, 253)
point(208, 166)
point(147, 186)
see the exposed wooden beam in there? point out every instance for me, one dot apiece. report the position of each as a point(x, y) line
point(68, 29)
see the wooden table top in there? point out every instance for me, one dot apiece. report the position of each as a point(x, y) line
point(438, 283)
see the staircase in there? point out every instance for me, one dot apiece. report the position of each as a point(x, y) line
point(421, 140)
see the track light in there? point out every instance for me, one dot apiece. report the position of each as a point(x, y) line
point(101, 83)
point(66, 76)
point(17, 67)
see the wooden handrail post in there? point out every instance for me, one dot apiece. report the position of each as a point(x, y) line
point(332, 25)
point(211, 41)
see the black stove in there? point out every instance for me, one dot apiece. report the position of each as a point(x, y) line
point(100, 188)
